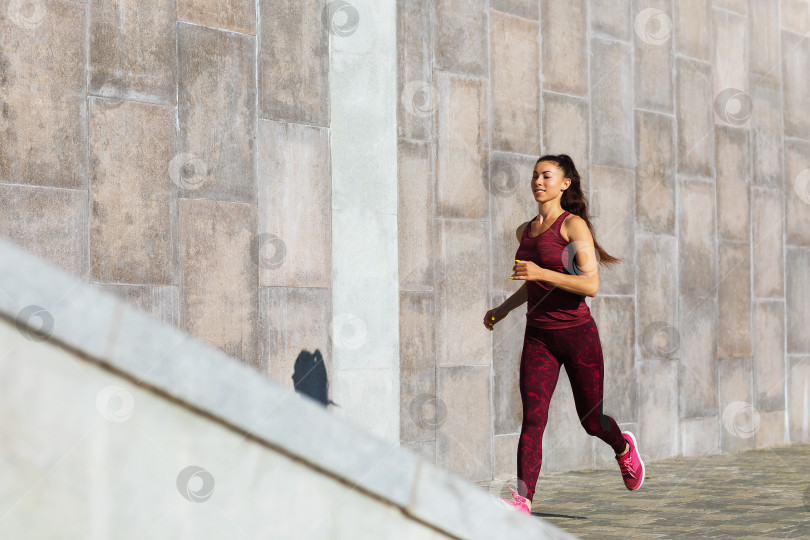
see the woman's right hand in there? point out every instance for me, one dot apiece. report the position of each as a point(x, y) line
point(493, 316)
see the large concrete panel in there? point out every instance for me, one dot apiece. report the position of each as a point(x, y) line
point(294, 244)
point(293, 62)
point(505, 448)
point(417, 330)
point(42, 93)
point(694, 117)
point(769, 355)
point(657, 296)
point(734, 299)
point(654, 55)
point(132, 51)
point(615, 318)
point(216, 115)
point(462, 144)
point(564, 47)
point(463, 440)
point(795, 97)
point(611, 17)
point(658, 409)
point(729, 64)
point(218, 296)
point(235, 15)
point(798, 398)
point(462, 278)
point(696, 241)
point(797, 192)
point(795, 16)
point(700, 436)
point(766, 132)
point(764, 56)
point(131, 237)
point(655, 172)
point(768, 251)
point(512, 204)
point(611, 95)
point(51, 223)
point(507, 349)
point(613, 204)
point(739, 418)
point(566, 130)
point(692, 28)
point(415, 215)
point(295, 339)
point(697, 356)
point(797, 295)
point(460, 36)
point(515, 83)
point(733, 183)
point(772, 430)
point(362, 134)
point(417, 94)
point(420, 413)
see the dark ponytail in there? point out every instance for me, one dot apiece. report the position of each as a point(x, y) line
point(574, 201)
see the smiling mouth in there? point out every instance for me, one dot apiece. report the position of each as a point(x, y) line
point(539, 190)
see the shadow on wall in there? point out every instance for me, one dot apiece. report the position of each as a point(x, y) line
point(309, 377)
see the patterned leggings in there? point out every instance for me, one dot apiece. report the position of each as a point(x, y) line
point(579, 349)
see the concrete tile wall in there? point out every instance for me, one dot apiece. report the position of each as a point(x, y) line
point(686, 110)
point(133, 156)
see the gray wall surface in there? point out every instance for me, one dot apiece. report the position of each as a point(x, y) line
point(265, 174)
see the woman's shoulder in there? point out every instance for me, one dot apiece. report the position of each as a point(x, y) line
point(520, 229)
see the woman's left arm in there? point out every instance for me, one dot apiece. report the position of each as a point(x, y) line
point(587, 282)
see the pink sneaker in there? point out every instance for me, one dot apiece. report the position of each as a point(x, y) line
point(631, 465)
point(520, 502)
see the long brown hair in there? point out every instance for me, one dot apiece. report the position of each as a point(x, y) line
point(574, 201)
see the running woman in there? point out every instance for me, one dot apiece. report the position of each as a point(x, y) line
point(557, 260)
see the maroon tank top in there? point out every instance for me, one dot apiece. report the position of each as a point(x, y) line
point(549, 306)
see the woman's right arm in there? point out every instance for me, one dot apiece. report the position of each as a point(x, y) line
point(520, 297)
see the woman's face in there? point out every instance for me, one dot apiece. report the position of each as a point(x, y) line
point(548, 181)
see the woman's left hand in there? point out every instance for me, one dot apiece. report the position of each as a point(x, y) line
point(527, 270)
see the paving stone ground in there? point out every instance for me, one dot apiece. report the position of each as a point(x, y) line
point(754, 494)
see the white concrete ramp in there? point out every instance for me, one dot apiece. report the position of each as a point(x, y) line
point(115, 425)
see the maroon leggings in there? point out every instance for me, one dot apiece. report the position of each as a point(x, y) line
point(577, 348)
